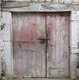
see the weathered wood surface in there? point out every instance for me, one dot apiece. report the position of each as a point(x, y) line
point(26, 37)
point(58, 27)
point(33, 6)
point(29, 50)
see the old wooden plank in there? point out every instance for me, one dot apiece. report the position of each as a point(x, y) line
point(29, 50)
point(58, 45)
point(65, 43)
point(52, 62)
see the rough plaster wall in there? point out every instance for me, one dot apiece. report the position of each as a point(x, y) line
point(74, 56)
point(5, 45)
point(54, 1)
point(0, 41)
point(0, 55)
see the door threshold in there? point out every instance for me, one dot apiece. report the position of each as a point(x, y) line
point(41, 79)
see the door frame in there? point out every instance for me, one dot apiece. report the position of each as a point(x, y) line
point(7, 45)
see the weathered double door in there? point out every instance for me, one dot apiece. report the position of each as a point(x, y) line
point(41, 44)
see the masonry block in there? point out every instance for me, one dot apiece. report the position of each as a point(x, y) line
point(6, 33)
point(68, 1)
point(6, 44)
point(6, 17)
point(74, 34)
point(75, 15)
point(41, 0)
point(61, 1)
point(7, 58)
point(49, 0)
point(75, 1)
point(55, 1)
point(34, 0)
point(74, 66)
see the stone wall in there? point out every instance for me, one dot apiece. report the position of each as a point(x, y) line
point(53, 1)
point(5, 34)
point(0, 40)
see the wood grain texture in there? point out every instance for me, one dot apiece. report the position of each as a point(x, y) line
point(29, 53)
point(31, 50)
point(58, 45)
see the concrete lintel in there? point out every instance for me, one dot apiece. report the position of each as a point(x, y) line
point(38, 7)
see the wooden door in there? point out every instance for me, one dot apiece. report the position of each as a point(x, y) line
point(29, 48)
point(58, 28)
point(41, 44)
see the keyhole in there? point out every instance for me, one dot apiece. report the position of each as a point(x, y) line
point(42, 41)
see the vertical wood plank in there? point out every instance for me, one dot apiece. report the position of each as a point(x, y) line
point(58, 53)
point(29, 52)
point(65, 43)
point(52, 56)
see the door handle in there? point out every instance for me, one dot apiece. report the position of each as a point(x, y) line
point(43, 40)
